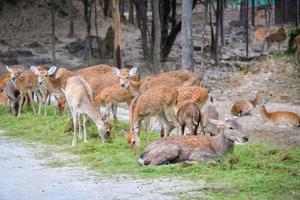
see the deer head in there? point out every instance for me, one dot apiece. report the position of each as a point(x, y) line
point(43, 75)
point(132, 137)
point(124, 76)
point(14, 72)
point(104, 128)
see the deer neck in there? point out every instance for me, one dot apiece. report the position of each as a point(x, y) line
point(93, 113)
point(258, 100)
point(133, 88)
point(264, 113)
point(222, 144)
point(54, 84)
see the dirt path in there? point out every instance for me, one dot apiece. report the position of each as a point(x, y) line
point(25, 176)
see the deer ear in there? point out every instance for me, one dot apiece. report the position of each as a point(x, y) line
point(218, 123)
point(52, 70)
point(34, 69)
point(8, 69)
point(116, 71)
point(133, 71)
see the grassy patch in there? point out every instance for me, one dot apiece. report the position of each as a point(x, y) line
point(253, 171)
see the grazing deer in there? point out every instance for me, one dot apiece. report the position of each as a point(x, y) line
point(81, 103)
point(193, 149)
point(13, 96)
point(159, 101)
point(26, 83)
point(277, 37)
point(288, 118)
point(189, 115)
point(61, 102)
point(297, 43)
point(244, 107)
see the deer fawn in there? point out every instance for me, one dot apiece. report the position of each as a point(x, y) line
point(288, 118)
point(189, 115)
point(81, 103)
point(297, 44)
point(159, 101)
point(26, 83)
point(193, 149)
point(244, 107)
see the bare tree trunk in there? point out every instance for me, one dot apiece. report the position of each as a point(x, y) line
point(53, 31)
point(253, 13)
point(216, 50)
point(131, 12)
point(88, 51)
point(141, 9)
point(187, 36)
point(222, 21)
point(97, 33)
point(157, 36)
point(212, 34)
point(117, 31)
point(71, 11)
point(247, 26)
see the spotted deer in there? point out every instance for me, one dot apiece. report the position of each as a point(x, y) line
point(297, 44)
point(244, 107)
point(26, 83)
point(81, 103)
point(287, 118)
point(193, 149)
point(159, 101)
point(278, 37)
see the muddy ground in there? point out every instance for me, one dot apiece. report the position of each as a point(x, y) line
point(21, 164)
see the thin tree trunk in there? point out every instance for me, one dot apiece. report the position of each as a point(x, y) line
point(97, 33)
point(87, 5)
point(71, 11)
point(165, 12)
point(222, 22)
point(157, 36)
point(253, 13)
point(212, 34)
point(131, 12)
point(216, 50)
point(117, 31)
point(141, 9)
point(53, 31)
point(187, 61)
point(247, 26)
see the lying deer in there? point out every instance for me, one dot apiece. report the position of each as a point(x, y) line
point(81, 103)
point(244, 107)
point(189, 115)
point(288, 118)
point(193, 149)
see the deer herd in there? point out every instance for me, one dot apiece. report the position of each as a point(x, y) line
point(176, 99)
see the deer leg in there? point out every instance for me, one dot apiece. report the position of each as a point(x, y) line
point(40, 100)
point(45, 98)
point(108, 110)
point(84, 128)
point(80, 135)
point(20, 103)
point(165, 123)
point(75, 124)
point(182, 127)
point(31, 102)
point(114, 108)
point(168, 154)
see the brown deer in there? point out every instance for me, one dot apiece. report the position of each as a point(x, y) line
point(159, 101)
point(26, 83)
point(192, 94)
point(61, 102)
point(288, 118)
point(277, 37)
point(193, 149)
point(13, 96)
point(244, 107)
point(81, 103)
point(189, 115)
point(297, 44)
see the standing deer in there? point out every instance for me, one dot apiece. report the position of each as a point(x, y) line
point(244, 107)
point(297, 44)
point(288, 118)
point(193, 149)
point(81, 103)
point(13, 96)
point(159, 101)
point(26, 83)
point(189, 115)
point(277, 37)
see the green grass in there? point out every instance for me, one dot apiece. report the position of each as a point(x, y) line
point(252, 171)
